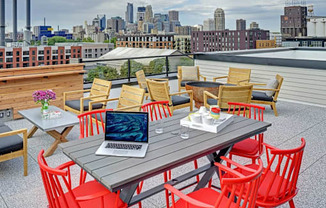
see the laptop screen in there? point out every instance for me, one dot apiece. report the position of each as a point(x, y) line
point(126, 126)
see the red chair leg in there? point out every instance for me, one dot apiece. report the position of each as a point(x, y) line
point(196, 167)
point(166, 191)
point(291, 202)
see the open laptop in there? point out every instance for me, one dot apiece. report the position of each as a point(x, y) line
point(126, 134)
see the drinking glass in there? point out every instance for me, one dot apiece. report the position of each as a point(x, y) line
point(159, 126)
point(184, 131)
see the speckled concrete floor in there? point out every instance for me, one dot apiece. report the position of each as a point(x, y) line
point(294, 121)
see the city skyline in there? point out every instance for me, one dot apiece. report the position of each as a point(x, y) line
point(191, 12)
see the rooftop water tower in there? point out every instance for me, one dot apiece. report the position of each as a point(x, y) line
point(310, 10)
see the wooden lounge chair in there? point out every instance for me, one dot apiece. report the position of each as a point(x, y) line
point(226, 94)
point(160, 91)
point(269, 94)
point(74, 101)
point(12, 145)
point(141, 79)
point(235, 76)
point(129, 97)
point(188, 74)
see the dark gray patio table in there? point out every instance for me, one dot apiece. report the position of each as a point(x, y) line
point(166, 151)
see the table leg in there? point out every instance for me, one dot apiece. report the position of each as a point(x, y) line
point(59, 138)
point(126, 194)
point(32, 132)
point(209, 174)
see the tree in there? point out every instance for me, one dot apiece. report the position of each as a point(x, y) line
point(56, 39)
point(114, 41)
point(134, 67)
point(89, 39)
point(102, 72)
point(156, 66)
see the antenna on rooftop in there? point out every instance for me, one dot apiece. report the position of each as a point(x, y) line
point(44, 21)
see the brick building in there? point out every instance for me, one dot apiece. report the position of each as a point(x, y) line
point(294, 21)
point(226, 40)
point(15, 57)
point(145, 41)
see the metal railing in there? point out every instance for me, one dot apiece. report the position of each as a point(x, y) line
point(122, 70)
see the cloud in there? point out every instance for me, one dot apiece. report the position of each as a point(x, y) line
point(75, 12)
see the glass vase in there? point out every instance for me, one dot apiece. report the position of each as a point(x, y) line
point(45, 110)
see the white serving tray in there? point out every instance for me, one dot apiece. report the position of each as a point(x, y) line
point(224, 120)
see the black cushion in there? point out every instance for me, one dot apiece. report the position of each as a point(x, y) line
point(75, 104)
point(10, 143)
point(179, 100)
point(146, 90)
point(184, 82)
point(211, 101)
point(261, 96)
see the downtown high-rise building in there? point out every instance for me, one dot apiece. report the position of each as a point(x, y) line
point(241, 24)
point(129, 16)
point(116, 24)
point(102, 21)
point(173, 15)
point(148, 13)
point(254, 26)
point(209, 25)
point(141, 13)
point(219, 19)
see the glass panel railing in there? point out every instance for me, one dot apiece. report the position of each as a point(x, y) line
point(175, 61)
point(108, 70)
point(126, 68)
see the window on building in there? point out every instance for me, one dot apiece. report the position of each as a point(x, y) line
point(33, 52)
point(9, 53)
point(25, 64)
point(8, 66)
point(25, 53)
point(17, 59)
point(33, 58)
point(17, 65)
point(1, 53)
point(1, 66)
point(8, 59)
point(25, 58)
point(40, 52)
point(17, 53)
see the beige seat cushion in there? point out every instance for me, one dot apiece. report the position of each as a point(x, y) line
point(271, 84)
point(189, 73)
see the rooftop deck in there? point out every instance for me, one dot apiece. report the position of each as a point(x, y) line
point(294, 121)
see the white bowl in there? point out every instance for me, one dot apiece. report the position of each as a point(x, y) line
point(195, 118)
point(208, 120)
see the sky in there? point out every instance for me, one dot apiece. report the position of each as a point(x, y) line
point(74, 12)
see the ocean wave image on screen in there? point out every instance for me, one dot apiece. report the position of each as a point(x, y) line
point(127, 127)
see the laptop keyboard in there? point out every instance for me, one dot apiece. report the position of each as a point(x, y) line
point(123, 146)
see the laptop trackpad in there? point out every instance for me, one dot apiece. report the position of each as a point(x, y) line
point(120, 152)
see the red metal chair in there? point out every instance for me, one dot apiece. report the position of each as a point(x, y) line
point(233, 184)
point(280, 177)
point(96, 118)
point(60, 192)
point(250, 148)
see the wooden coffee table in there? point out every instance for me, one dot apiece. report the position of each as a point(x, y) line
point(66, 121)
point(198, 89)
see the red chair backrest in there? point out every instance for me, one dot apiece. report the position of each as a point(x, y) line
point(88, 118)
point(280, 177)
point(157, 110)
point(55, 181)
point(235, 184)
point(253, 111)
